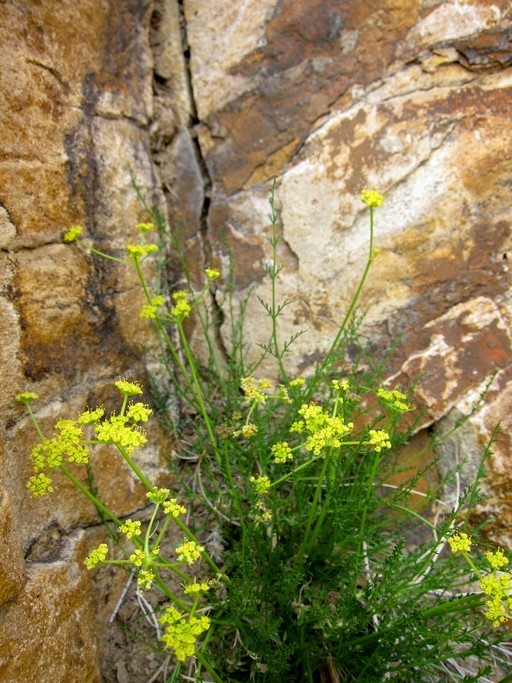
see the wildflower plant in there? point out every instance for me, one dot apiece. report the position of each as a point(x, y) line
point(312, 578)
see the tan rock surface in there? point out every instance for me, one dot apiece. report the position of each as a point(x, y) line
point(75, 116)
point(415, 104)
point(205, 103)
point(47, 633)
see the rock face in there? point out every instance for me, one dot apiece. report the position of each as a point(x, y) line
point(76, 109)
point(410, 98)
point(205, 103)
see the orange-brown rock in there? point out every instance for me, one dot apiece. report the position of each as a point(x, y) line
point(205, 103)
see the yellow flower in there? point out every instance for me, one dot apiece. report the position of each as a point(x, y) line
point(73, 233)
point(145, 578)
point(40, 485)
point(173, 509)
point(379, 439)
point(189, 551)
point(26, 397)
point(281, 452)
point(129, 388)
point(195, 588)
point(97, 556)
point(249, 430)
point(158, 496)
point(130, 528)
point(261, 484)
point(371, 198)
point(460, 543)
point(137, 251)
point(212, 274)
point(497, 560)
point(298, 382)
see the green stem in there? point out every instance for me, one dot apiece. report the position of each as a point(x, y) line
point(191, 537)
point(102, 253)
point(273, 277)
point(355, 299)
point(138, 473)
point(297, 469)
point(198, 391)
point(35, 423)
point(373, 473)
point(95, 501)
point(314, 506)
point(208, 666)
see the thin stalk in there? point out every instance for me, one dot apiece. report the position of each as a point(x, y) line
point(95, 501)
point(314, 506)
point(207, 666)
point(135, 469)
point(273, 277)
point(373, 474)
point(191, 537)
point(198, 391)
point(354, 301)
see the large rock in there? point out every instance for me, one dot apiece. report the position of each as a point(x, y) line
point(204, 103)
point(47, 633)
point(412, 99)
point(75, 114)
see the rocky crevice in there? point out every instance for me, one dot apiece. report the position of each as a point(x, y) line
point(186, 181)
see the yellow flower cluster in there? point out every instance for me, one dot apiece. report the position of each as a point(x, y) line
point(158, 496)
point(144, 557)
point(371, 198)
point(379, 439)
point(195, 588)
point(73, 233)
point(496, 584)
point(181, 634)
point(96, 556)
point(26, 397)
point(91, 416)
point(281, 452)
point(394, 399)
point(189, 551)
point(324, 430)
point(253, 389)
point(248, 430)
point(145, 578)
point(138, 412)
point(182, 308)
point(50, 454)
point(173, 509)
point(460, 543)
point(137, 251)
point(117, 431)
point(212, 274)
point(39, 485)
point(298, 382)
point(340, 385)
point(69, 442)
point(130, 528)
point(284, 395)
point(128, 388)
point(261, 513)
point(149, 311)
point(261, 484)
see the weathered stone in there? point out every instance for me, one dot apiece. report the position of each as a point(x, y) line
point(412, 98)
point(466, 345)
point(75, 113)
point(47, 632)
point(12, 566)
